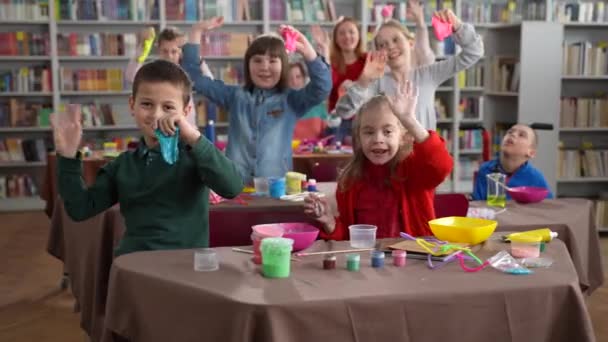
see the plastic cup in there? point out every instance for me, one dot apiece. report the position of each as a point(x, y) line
point(206, 260)
point(525, 246)
point(496, 193)
point(276, 186)
point(362, 235)
point(261, 186)
point(276, 257)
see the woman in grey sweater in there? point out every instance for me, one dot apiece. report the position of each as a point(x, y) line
point(394, 44)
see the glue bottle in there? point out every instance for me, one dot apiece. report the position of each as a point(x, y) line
point(545, 233)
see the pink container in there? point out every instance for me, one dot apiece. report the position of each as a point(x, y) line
point(302, 234)
point(399, 257)
point(260, 232)
point(528, 194)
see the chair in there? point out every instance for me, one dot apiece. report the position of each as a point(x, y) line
point(450, 205)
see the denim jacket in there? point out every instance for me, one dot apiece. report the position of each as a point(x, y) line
point(261, 122)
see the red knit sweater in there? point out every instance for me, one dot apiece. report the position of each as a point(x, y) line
point(352, 72)
point(415, 181)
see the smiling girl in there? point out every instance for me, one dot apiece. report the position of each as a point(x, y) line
point(263, 112)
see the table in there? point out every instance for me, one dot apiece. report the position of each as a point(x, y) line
point(86, 248)
point(573, 219)
point(321, 166)
point(156, 296)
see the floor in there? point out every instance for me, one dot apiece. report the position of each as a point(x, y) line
point(32, 308)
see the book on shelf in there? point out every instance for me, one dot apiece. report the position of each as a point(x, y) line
point(97, 44)
point(467, 166)
point(472, 77)
point(26, 79)
point(230, 44)
point(22, 150)
point(441, 109)
point(24, 10)
point(102, 10)
point(302, 10)
point(505, 74)
point(585, 58)
point(446, 134)
point(583, 112)
point(583, 162)
point(17, 185)
point(510, 11)
point(601, 212)
point(111, 79)
point(470, 107)
point(581, 11)
point(22, 43)
point(470, 139)
point(20, 113)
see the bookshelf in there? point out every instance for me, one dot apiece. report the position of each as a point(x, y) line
point(466, 100)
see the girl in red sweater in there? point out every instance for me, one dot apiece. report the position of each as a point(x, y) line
point(391, 180)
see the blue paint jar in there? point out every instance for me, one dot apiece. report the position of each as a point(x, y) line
point(377, 259)
point(276, 186)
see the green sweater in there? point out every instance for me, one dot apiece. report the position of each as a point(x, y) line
point(164, 206)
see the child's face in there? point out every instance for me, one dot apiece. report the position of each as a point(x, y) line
point(265, 70)
point(347, 36)
point(170, 50)
point(296, 79)
point(380, 134)
point(397, 46)
point(519, 141)
point(152, 101)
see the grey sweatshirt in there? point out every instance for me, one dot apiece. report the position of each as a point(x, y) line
point(427, 78)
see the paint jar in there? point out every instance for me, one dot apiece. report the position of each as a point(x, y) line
point(399, 257)
point(312, 185)
point(525, 245)
point(276, 186)
point(276, 257)
point(294, 182)
point(377, 259)
point(329, 263)
point(353, 262)
point(206, 260)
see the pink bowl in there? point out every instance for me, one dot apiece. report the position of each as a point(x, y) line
point(303, 234)
point(528, 194)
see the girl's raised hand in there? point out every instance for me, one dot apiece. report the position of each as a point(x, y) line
point(415, 12)
point(374, 68)
point(448, 16)
point(67, 131)
point(403, 103)
point(203, 26)
point(303, 46)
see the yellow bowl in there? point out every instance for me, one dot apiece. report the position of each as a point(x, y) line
point(469, 230)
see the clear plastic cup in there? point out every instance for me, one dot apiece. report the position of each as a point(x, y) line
point(276, 257)
point(206, 260)
point(525, 246)
point(362, 235)
point(261, 186)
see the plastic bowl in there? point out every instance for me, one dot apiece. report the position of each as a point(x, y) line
point(302, 234)
point(469, 230)
point(528, 194)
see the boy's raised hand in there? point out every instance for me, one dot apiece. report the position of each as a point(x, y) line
point(203, 26)
point(187, 133)
point(303, 46)
point(374, 68)
point(448, 16)
point(67, 131)
point(320, 36)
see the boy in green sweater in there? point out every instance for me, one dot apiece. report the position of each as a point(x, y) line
point(164, 206)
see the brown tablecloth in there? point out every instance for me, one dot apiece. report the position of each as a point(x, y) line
point(86, 248)
point(573, 219)
point(156, 296)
